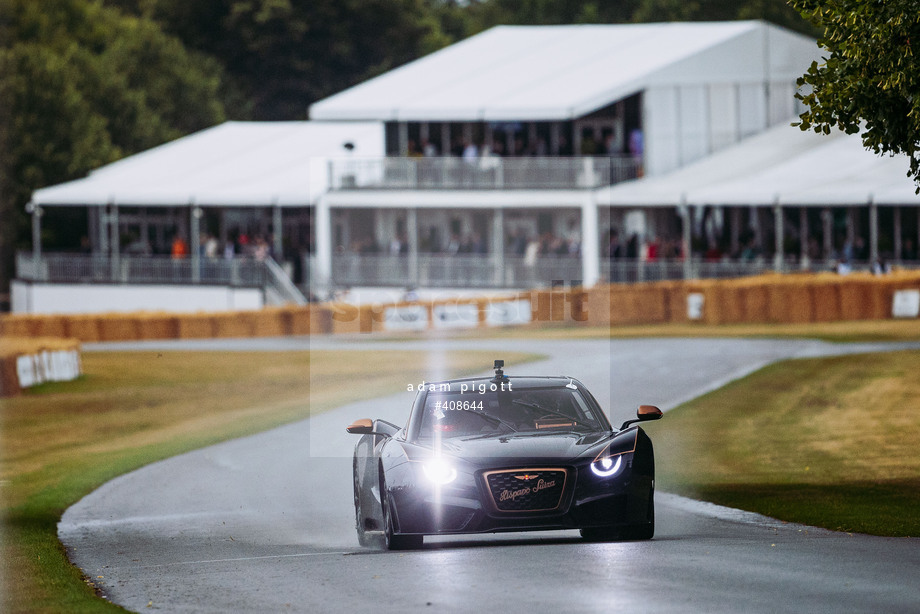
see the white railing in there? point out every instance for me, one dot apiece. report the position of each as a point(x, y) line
point(88, 268)
point(278, 283)
point(490, 172)
point(454, 270)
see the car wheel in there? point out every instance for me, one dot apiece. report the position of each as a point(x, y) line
point(636, 532)
point(645, 530)
point(391, 540)
point(363, 539)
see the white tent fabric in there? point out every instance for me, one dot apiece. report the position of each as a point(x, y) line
point(780, 166)
point(233, 164)
point(739, 161)
point(519, 73)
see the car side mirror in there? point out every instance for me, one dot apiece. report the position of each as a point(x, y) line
point(364, 426)
point(644, 414)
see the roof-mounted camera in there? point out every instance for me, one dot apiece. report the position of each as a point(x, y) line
point(499, 374)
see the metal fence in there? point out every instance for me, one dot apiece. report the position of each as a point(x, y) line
point(86, 268)
point(491, 172)
point(453, 271)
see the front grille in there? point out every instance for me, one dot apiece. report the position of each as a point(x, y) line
point(526, 490)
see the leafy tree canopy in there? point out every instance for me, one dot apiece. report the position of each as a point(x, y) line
point(870, 79)
point(81, 85)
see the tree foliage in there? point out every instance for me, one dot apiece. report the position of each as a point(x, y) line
point(81, 85)
point(870, 80)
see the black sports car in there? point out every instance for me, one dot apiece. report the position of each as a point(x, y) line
point(504, 453)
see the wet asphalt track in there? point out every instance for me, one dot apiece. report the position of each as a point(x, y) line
point(265, 523)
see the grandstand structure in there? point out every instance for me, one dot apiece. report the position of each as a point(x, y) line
point(524, 156)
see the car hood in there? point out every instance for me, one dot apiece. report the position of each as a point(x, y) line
point(525, 447)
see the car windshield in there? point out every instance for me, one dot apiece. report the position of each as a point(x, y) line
point(474, 413)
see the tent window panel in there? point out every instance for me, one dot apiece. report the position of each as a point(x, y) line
point(694, 120)
point(661, 130)
point(752, 106)
point(723, 116)
point(782, 102)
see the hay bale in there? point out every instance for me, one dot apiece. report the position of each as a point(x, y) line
point(855, 299)
point(118, 327)
point(825, 300)
point(196, 326)
point(232, 324)
point(82, 327)
point(300, 320)
point(345, 318)
point(270, 322)
point(597, 306)
point(157, 326)
point(623, 305)
point(651, 304)
point(320, 320)
point(18, 325)
point(49, 326)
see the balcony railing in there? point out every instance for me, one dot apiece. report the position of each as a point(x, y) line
point(86, 268)
point(453, 271)
point(484, 173)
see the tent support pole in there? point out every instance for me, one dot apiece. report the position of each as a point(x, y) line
point(114, 240)
point(590, 243)
point(827, 221)
point(778, 256)
point(686, 231)
point(735, 245)
point(322, 263)
point(873, 232)
point(194, 242)
point(277, 233)
point(412, 232)
point(498, 245)
point(803, 238)
point(896, 222)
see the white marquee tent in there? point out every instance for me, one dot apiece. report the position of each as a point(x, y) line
point(523, 73)
point(233, 164)
point(783, 166)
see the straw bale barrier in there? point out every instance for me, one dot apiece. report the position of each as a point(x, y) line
point(791, 298)
point(157, 325)
point(27, 361)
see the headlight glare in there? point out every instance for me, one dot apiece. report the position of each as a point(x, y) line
point(606, 466)
point(439, 471)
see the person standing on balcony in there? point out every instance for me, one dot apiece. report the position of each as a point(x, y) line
point(614, 248)
point(470, 152)
point(179, 247)
point(908, 252)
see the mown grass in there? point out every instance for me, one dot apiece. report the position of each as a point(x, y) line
point(830, 442)
point(836, 332)
point(58, 442)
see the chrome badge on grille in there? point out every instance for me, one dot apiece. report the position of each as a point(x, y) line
point(526, 492)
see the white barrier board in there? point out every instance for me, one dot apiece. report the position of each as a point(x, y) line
point(57, 366)
point(454, 315)
point(695, 302)
point(410, 317)
point(506, 313)
point(906, 304)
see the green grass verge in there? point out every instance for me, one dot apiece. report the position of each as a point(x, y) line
point(59, 442)
point(835, 332)
point(829, 442)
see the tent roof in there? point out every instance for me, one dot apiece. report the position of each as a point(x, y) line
point(233, 164)
point(780, 166)
point(563, 72)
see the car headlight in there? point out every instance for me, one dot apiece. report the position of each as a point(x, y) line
point(439, 471)
point(606, 466)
